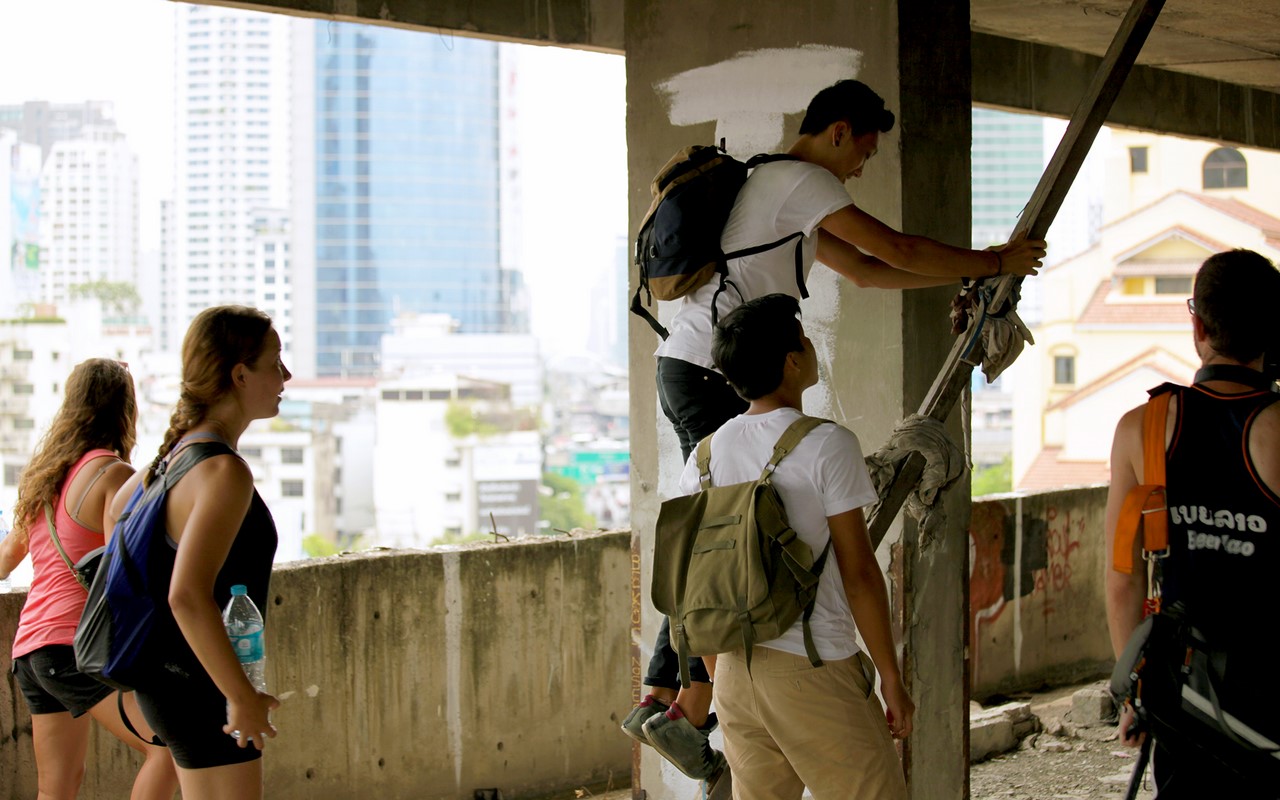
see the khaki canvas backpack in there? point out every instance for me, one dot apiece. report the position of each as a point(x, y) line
point(728, 569)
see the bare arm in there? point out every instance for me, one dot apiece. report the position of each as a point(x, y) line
point(853, 230)
point(869, 600)
point(13, 548)
point(1263, 438)
point(1125, 593)
point(868, 271)
point(214, 511)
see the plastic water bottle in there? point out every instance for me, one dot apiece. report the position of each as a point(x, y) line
point(243, 622)
point(5, 584)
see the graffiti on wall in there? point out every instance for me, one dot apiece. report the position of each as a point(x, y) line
point(1020, 562)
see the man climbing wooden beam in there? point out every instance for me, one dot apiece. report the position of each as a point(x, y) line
point(993, 302)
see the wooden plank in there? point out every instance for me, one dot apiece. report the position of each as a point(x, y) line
point(1034, 223)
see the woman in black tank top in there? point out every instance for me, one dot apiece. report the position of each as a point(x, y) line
point(220, 533)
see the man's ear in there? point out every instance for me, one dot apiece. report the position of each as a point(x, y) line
point(1197, 328)
point(793, 360)
point(839, 132)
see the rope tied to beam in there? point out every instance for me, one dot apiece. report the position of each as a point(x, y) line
point(944, 462)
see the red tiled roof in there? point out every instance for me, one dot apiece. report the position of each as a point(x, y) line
point(1101, 312)
point(1051, 471)
point(1268, 224)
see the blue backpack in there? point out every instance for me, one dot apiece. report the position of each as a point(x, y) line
point(126, 618)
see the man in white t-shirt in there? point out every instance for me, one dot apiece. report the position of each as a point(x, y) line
point(787, 724)
point(840, 131)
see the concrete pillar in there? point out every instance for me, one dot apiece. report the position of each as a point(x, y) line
point(744, 71)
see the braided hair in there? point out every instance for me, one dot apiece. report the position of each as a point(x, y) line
point(219, 338)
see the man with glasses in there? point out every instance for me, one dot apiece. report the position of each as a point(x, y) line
point(1222, 454)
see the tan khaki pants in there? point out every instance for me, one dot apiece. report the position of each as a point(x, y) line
point(789, 725)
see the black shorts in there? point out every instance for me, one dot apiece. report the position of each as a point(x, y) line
point(51, 683)
point(187, 712)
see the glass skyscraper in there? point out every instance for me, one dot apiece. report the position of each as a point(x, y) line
point(406, 189)
point(1008, 157)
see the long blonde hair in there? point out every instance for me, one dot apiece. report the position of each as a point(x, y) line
point(219, 338)
point(99, 411)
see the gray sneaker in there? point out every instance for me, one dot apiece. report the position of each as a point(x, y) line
point(633, 725)
point(675, 738)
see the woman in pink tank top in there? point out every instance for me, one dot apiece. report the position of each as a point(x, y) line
point(76, 469)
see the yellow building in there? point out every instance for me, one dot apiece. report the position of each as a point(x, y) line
point(1115, 321)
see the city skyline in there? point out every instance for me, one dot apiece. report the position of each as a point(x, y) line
point(558, 90)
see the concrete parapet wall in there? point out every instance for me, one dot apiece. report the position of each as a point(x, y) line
point(1037, 600)
point(422, 675)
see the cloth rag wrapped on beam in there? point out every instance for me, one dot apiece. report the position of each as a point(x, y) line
point(1002, 333)
point(1003, 338)
point(943, 464)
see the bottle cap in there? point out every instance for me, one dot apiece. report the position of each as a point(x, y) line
point(239, 589)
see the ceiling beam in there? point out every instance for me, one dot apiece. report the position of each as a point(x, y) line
point(1023, 76)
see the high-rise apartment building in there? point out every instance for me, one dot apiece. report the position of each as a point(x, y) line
point(233, 98)
point(81, 223)
point(88, 213)
point(45, 124)
point(407, 190)
point(272, 266)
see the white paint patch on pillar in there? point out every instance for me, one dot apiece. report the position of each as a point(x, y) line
point(819, 315)
point(748, 95)
point(453, 661)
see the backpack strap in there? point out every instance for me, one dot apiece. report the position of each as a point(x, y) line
point(704, 462)
point(752, 163)
point(1145, 508)
point(640, 311)
point(811, 649)
point(57, 542)
point(124, 717)
point(182, 461)
point(789, 440)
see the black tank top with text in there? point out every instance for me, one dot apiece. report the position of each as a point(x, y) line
point(1223, 521)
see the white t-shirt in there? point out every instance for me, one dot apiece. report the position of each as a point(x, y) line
point(824, 476)
point(779, 198)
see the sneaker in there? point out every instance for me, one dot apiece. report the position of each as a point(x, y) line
point(675, 738)
point(633, 725)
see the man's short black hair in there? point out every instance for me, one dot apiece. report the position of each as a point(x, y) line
point(1236, 294)
point(848, 101)
point(751, 343)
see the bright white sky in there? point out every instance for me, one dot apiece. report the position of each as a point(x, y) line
point(572, 114)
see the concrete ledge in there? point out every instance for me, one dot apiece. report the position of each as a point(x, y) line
point(422, 675)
